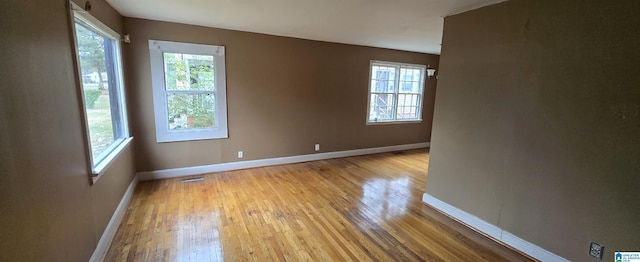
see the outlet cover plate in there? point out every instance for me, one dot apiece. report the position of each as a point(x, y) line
point(596, 250)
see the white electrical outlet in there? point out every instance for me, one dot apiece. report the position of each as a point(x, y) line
point(240, 154)
point(317, 147)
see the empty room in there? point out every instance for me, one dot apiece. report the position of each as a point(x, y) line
point(410, 130)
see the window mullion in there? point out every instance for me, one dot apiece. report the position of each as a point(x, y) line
point(192, 92)
point(395, 95)
point(419, 108)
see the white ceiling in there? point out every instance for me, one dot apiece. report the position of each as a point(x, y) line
point(411, 25)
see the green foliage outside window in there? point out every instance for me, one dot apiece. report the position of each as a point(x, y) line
point(91, 96)
point(91, 48)
point(190, 73)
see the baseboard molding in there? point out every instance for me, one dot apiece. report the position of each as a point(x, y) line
point(187, 171)
point(493, 231)
point(112, 227)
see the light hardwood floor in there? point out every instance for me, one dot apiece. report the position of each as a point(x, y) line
point(365, 208)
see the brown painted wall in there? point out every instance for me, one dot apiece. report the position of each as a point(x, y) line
point(48, 209)
point(283, 95)
point(537, 122)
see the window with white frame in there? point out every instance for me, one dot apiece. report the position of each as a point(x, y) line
point(189, 91)
point(100, 70)
point(395, 92)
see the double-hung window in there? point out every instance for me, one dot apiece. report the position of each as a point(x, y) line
point(189, 91)
point(99, 68)
point(395, 92)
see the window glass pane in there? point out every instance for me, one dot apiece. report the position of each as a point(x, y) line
point(409, 80)
point(98, 81)
point(407, 113)
point(188, 111)
point(189, 72)
point(417, 74)
point(382, 79)
point(381, 107)
point(407, 106)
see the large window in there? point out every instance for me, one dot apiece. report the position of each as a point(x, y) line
point(188, 91)
point(395, 92)
point(99, 65)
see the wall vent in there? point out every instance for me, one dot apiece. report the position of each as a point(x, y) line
point(192, 179)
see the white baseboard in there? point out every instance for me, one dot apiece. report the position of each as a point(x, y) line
point(493, 231)
point(187, 171)
point(465, 217)
point(112, 227)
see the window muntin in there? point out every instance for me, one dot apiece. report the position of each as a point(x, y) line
point(189, 91)
point(395, 92)
point(99, 66)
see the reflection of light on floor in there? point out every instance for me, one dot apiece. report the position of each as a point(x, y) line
point(386, 198)
point(198, 238)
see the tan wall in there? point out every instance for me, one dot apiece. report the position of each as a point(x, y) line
point(537, 120)
point(48, 209)
point(283, 95)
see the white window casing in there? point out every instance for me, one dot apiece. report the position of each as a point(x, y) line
point(396, 92)
point(161, 93)
point(99, 161)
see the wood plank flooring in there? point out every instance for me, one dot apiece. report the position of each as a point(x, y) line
point(365, 208)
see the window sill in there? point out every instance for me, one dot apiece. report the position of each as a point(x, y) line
point(394, 122)
point(190, 135)
point(100, 168)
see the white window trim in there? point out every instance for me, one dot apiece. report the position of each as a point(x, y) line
point(102, 166)
point(397, 90)
point(115, 149)
point(163, 134)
